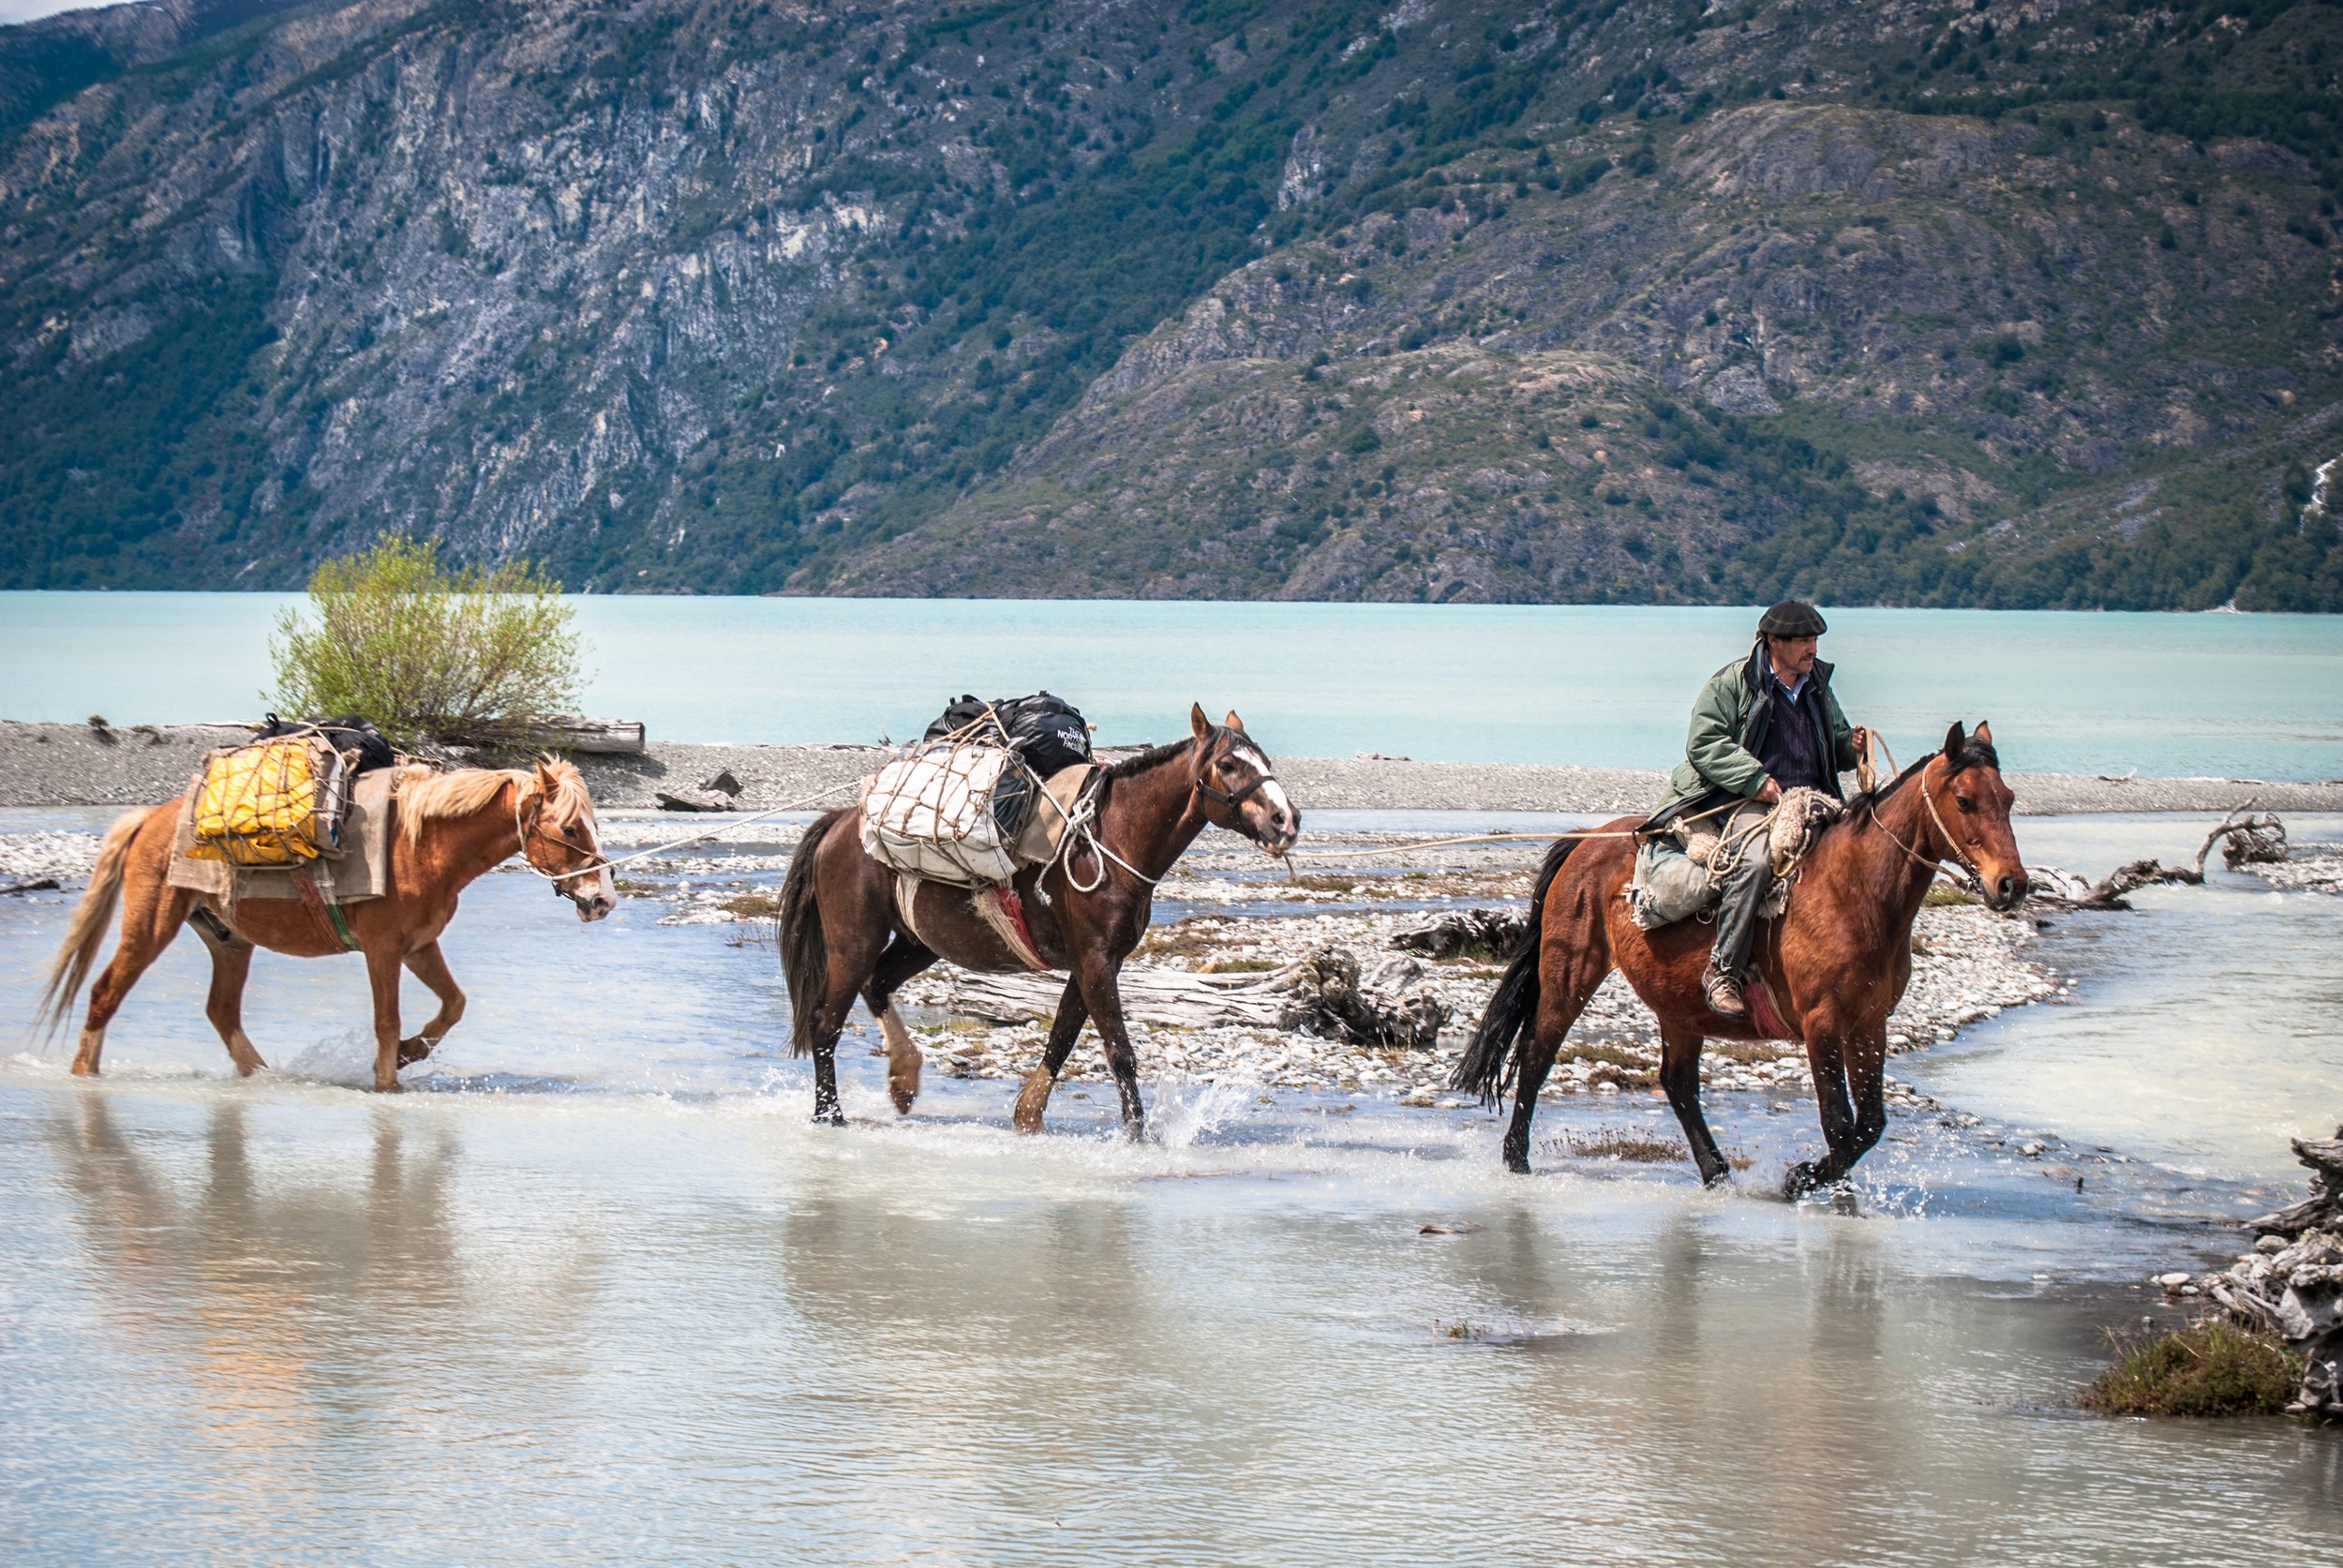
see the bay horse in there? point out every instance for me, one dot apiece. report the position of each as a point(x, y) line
point(448, 829)
point(1835, 964)
point(845, 932)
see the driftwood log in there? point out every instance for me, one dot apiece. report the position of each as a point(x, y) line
point(1465, 933)
point(2292, 1283)
point(1382, 1010)
point(563, 734)
point(2245, 839)
point(718, 793)
point(601, 736)
point(1322, 994)
point(2323, 1209)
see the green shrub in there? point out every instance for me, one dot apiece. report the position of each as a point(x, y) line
point(2210, 1369)
point(427, 651)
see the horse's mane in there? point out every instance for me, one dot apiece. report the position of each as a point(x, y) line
point(424, 796)
point(1973, 753)
point(1146, 761)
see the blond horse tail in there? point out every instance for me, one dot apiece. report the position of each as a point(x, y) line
point(79, 951)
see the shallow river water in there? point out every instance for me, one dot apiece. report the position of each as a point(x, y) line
point(597, 1289)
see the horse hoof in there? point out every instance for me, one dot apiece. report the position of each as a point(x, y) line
point(902, 1099)
point(1717, 1178)
point(829, 1118)
point(1518, 1164)
point(413, 1051)
point(1032, 1101)
point(392, 1087)
point(1803, 1178)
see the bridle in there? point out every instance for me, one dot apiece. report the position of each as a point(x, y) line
point(1942, 831)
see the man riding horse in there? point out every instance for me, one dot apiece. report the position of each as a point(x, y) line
point(1762, 727)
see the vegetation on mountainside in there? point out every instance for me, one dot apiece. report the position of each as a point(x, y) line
point(428, 651)
point(1939, 304)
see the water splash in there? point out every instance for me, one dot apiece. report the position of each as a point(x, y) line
point(346, 1058)
point(1188, 1113)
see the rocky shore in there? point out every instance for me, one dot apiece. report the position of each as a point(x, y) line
point(80, 765)
point(2290, 1284)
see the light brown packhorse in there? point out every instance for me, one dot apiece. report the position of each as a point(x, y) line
point(449, 828)
point(1836, 963)
point(843, 932)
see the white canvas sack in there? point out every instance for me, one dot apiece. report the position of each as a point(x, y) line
point(929, 814)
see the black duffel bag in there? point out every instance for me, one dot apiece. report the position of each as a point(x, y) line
point(1047, 731)
point(348, 733)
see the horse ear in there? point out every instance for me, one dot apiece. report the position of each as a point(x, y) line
point(1984, 732)
point(1956, 741)
point(1233, 722)
point(1197, 722)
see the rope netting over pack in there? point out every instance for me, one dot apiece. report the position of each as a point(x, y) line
point(276, 802)
point(934, 813)
point(968, 805)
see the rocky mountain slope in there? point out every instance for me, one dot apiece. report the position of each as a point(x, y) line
point(2005, 304)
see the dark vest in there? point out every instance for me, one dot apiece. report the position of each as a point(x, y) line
point(1795, 748)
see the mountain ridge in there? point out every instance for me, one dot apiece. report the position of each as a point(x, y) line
point(2011, 305)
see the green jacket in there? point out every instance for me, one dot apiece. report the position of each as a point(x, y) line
point(1729, 726)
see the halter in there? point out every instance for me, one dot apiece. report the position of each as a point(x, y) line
point(1081, 823)
point(521, 832)
point(1231, 798)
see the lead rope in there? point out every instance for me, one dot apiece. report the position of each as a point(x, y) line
point(603, 861)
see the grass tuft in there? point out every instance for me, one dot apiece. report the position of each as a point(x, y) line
point(1627, 1143)
point(2213, 1367)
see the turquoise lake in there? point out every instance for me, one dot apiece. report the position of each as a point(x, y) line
point(2175, 696)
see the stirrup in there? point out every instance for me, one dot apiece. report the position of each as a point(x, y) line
point(1722, 993)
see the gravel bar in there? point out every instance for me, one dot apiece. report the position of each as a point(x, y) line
point(76, 764)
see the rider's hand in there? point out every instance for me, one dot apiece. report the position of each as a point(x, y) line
point(1862, 736)
point(1768, 794)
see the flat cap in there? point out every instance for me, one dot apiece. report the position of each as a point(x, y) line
point(1792, 618)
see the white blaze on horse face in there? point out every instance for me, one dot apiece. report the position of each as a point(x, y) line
point(1280, 809)
point(605, 897)
point(1276, 808)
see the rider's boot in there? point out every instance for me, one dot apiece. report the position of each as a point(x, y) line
point(1722, 992)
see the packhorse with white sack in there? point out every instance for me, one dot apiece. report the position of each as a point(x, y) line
point(985, 845)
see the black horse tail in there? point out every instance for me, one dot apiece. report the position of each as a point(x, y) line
point(1492, 1062)
point(804, 952)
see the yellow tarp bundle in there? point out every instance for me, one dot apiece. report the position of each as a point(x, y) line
point(274, 803)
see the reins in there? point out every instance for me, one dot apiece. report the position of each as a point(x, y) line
point(1933, 863)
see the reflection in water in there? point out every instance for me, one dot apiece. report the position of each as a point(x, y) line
point(277, 1322)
